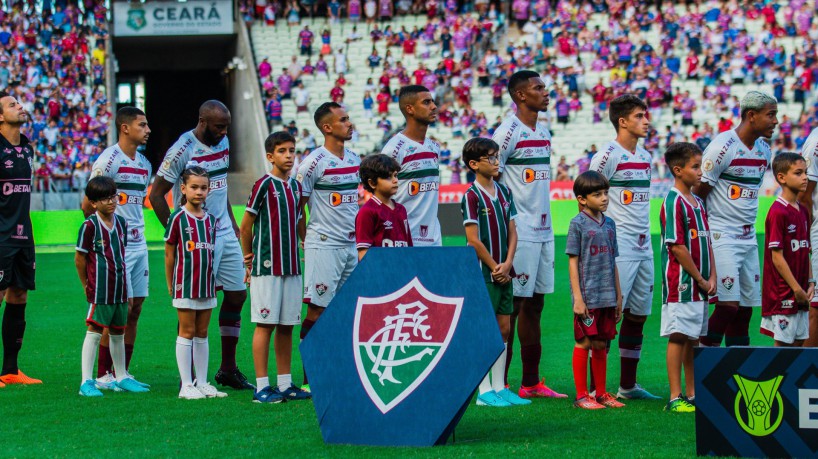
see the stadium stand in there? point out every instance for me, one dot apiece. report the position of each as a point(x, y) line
point(52, 58)
point(692, 64)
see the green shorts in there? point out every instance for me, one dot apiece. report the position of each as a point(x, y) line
point(502, 298)
point(108, 315)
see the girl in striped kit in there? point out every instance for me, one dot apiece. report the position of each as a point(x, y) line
point(189, 244)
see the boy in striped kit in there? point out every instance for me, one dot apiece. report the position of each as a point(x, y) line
point(100, 262)
point(689, 275)
point(190, 244)
point(488, 218)
point(269, 240)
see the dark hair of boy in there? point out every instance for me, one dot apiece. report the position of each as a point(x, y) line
point(518, 78)
point(277, 138)
point(374, 167)
point(126, 115)
point(100, 188)
point(590, 182)
point(477, 148)
point(623, 106)
point(783, 161)
point(679, 153)
point(323, 111)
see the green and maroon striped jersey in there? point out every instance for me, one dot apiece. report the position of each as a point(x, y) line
point(104, 250)
point(492, 214)
point(274, 202)
point(195, 240)
point(684, 223)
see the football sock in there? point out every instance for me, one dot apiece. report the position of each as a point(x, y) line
point(305, 329)
point(485, 384)
point(579, 363)
point(738, 331)
point(117, 346)
point(284, 381)
point(592, 386)
point(530, 356)
point(89, 354)
point(630, 350)
point(104, 361)
point(497, 381)
point(128, 355)
point(201, 356)
point(184, 359)
point(599, 362)
point(229, 328)
point(261, 383)
point(14, 327)
point(717, 325)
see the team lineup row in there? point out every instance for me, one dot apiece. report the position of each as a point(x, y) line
point(327, 181)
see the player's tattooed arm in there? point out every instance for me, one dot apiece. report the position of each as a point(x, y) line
point(702, 191)
point(302, 221)
point(160, 188)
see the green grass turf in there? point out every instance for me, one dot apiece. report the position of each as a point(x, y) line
point(52, 420)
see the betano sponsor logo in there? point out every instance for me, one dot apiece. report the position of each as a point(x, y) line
point(628, 196)
point(336, 199)
point(124, 198)
point(192, 245)
point(736, 192)
point(530, 175)
point(418, 187)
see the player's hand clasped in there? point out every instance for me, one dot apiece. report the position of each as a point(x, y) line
point(248, 264)
point(501, 273)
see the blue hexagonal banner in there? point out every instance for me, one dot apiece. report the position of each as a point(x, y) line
point(397, 355)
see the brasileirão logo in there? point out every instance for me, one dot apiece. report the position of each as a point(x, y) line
point(759, 398)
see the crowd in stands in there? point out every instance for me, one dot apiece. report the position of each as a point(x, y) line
point(52, 59)
point(637, 48)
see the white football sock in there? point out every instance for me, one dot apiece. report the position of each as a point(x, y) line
point(285, 381)
point(117, 346)
point(261, 383)
point(485, 385)
point(201, 356)
point(498, 370)
point(184, 359)
point(89, 354)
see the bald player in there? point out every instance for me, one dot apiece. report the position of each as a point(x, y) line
point(418, 157)
point(16, 238)
point(207, 146)
point(525, 168)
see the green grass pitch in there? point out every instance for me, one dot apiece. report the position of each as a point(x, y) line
point(52, 420)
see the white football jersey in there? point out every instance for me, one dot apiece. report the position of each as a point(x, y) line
point(215, 160)
point(525, 165)
point(810, 153)
point(331, 184)
point(628, 197)
point(418, 186)
point(132, 177)
point(735, 173)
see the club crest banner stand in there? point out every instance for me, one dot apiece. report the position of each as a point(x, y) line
point(395, 358)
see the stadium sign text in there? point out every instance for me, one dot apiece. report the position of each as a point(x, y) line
point(135, 19)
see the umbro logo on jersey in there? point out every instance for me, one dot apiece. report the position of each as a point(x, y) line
point(189, 230)
point(791, 229)
point(387, 224)
point(9, 164)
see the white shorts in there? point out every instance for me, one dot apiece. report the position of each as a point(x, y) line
point(814, 261)
point(636, 285)
point(739, 276)
point(275, 300)
point(136, 272)
point(325, 271)
point(534, 268)
point(786, 328)
point(198, 304)
point(689, 319)
point(228, 264)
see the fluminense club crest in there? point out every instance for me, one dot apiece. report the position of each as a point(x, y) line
point(399, 338)
point(727, 282)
